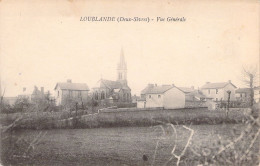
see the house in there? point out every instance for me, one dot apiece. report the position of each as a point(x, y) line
point(257, 94)
point(118, 91)
point(66, 91)
point(218, 91)
point(164, 96)
point(34, 95)
point(243, 94)
point(26, 94)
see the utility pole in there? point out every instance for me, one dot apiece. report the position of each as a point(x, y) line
point(229, 92)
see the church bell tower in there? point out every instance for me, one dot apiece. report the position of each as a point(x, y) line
point(122, 69)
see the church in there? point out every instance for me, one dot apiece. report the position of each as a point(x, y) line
point(114, 91)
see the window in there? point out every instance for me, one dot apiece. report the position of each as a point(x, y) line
point(159, 96)
point(96, 96)
point(79, 93)
point(216, 91)
point(240, 94)
point(102, 95)
point(209, 91)
point(58, 93)
point(216, 99)
point(150, 96)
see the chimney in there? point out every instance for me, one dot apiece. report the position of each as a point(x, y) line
point(173, 85)
point(24, 89)
point(69, 81)
point(229, 81)
point(42, 90)
point(207, 82)
point(155, 84)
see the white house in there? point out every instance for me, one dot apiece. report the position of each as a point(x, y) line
point(165, 96)
point(218, 91)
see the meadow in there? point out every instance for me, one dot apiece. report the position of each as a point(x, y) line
point(129, 146)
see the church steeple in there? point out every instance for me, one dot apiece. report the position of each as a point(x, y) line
point(122, 69)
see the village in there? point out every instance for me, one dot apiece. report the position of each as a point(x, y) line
point(110, 93)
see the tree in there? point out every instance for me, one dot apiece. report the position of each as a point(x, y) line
point(249, 78)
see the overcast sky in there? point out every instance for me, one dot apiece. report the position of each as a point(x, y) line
point(42, 43)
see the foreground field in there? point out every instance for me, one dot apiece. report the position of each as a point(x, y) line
point(118, 146)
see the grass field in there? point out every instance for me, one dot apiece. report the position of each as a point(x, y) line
point(114, 146)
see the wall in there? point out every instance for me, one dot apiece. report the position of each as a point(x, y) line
point(216, 96)
point(74, 95)
point(140, 104)
point(154, 101)
point(174, 98)
point(195, 104)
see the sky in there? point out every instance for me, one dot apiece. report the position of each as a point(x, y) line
point(44, 42)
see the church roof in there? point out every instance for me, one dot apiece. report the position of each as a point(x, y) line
point(111, 84)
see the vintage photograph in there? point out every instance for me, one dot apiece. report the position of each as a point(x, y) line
point(129, 83)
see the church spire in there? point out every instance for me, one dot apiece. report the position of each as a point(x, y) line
point(122, 63)
point(122, 68)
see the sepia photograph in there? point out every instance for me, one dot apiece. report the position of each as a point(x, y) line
point(129, 83)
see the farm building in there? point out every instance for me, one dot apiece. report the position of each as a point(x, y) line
point(218, 91)
point(71, 91)
point(165, 96)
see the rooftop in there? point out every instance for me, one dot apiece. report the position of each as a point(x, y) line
point(72, 86)
point(216, 85)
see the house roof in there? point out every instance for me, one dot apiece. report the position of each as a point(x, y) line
point(217, 85)
point(158, 89)
point(243, 90)
point(72, 86)
point(198, 94)
point(186, 89)
point(147, 88)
